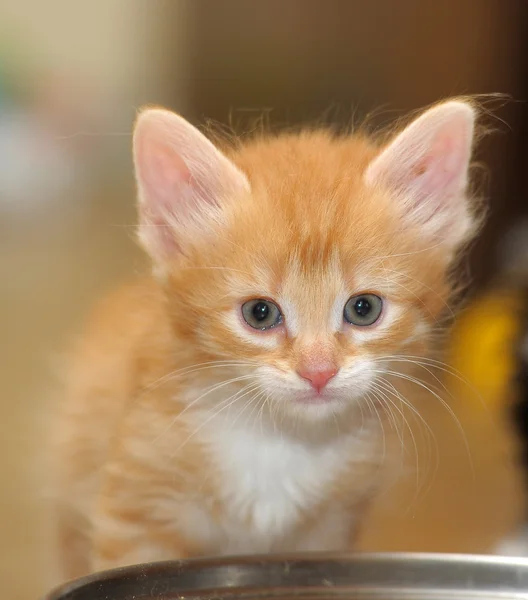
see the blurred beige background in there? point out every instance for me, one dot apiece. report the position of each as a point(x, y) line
point(72, 76)
point(57, 255)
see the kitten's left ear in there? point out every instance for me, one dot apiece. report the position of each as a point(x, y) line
point(426, 168)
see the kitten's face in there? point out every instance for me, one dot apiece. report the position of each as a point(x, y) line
point(316, 286)
point(315, 272)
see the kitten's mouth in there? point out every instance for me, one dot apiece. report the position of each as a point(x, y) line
point(314, 398)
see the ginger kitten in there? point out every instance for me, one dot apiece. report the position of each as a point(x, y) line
point(233, 401)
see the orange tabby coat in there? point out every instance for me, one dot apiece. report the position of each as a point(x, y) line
point(231, 402)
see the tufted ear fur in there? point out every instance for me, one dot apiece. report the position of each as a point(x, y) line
point(181, 177)
point(426, 168)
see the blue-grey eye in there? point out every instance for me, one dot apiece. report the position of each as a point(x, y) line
point(261, 314)
point(363, 310)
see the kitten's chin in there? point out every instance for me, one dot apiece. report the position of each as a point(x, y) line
point(313, 406)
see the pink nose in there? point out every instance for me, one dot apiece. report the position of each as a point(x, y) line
point(318, 378)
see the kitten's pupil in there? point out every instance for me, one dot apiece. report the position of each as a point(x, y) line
point(362, 307)
point(261, 311)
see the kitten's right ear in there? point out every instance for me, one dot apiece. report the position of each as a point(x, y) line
point(181, 177)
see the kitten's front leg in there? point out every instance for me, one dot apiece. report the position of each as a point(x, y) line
point(125, 530)
point(331, 531)
point(111, 550)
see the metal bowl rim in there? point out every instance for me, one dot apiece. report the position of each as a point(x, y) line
point(414, 560)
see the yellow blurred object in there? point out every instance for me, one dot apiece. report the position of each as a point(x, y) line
point(481, 349)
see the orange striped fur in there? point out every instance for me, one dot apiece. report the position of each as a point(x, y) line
point(185, 432)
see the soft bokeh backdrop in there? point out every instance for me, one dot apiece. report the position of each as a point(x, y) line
point(72, 75)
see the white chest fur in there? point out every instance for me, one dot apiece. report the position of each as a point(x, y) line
point(269, 480)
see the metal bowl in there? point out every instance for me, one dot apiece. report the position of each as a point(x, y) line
point(313, 576)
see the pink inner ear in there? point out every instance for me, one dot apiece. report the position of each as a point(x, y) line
point(164, 179)
point(428, 162)
point(164, 173)
point(442, 169)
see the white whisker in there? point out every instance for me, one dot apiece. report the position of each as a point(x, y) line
point(228, 402)
point(215, 364)
point(209, 390)
point(448, 408)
